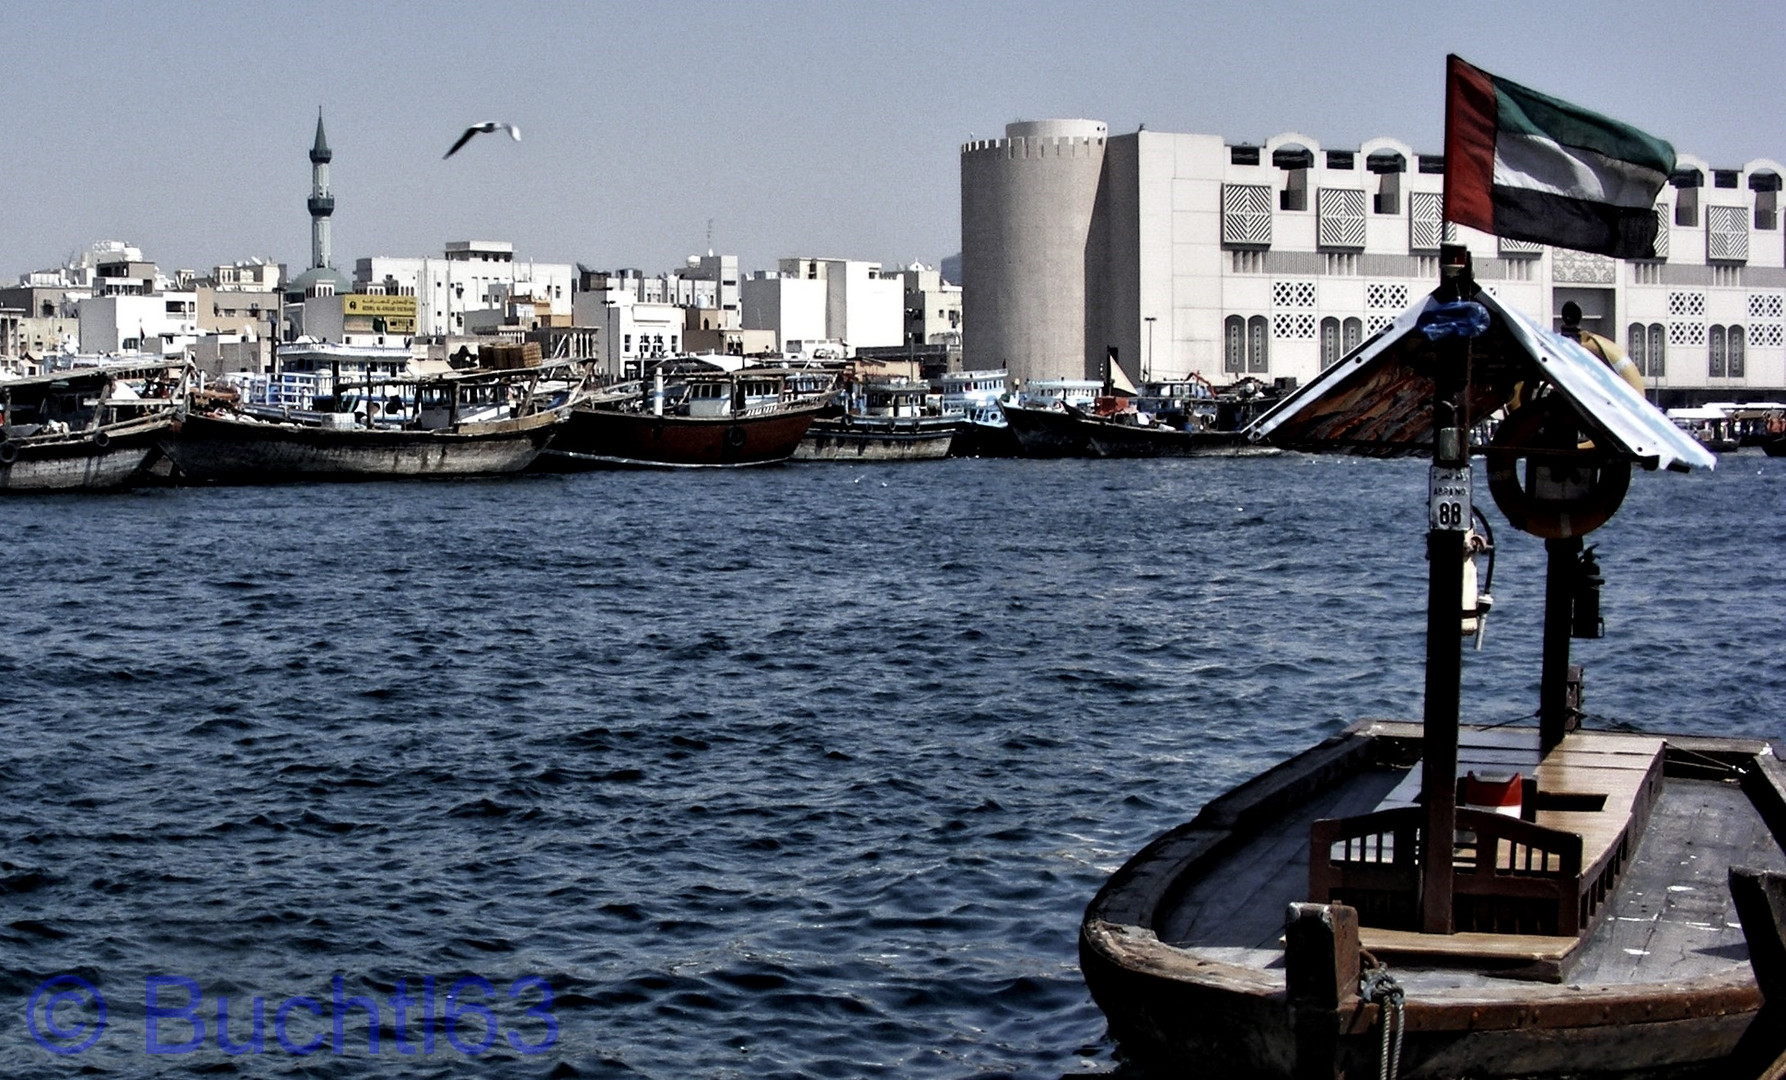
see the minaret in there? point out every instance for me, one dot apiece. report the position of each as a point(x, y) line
point(322, 204)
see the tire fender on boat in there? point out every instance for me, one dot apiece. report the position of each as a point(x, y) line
point(1552, 519)
point(9, 452)
point(101, 440)
point(735, 437)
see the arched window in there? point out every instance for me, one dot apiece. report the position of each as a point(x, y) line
point(1352, 334)
point(1714, 339)
point(1636, 336)
point(1258, 338)
point(1330, 342)
point(1234, 344)
point(1658, 351)
point(1734, 350)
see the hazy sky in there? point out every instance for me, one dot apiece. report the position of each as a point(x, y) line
point(797, 128)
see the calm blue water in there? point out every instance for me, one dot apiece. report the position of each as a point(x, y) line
point(800, 772)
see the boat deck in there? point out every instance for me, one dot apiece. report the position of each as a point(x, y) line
point(1671, 918)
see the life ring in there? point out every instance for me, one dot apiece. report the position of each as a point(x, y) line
point(1553, 519)
point(9, 452)
point(735, 437)
point(101, 440)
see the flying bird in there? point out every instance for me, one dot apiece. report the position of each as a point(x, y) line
point(484, 128)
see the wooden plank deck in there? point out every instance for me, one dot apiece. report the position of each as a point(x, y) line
point(1672, 918)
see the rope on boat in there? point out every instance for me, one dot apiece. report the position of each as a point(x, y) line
point(1378, 987)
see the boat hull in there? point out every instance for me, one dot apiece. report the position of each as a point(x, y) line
point(1047, 433)
point(224, 450)
point(598, 438)
point(1128, 441)
point(859, 439)
point(1177, 998)
point(108, 457)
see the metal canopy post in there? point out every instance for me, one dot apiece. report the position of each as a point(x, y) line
point(1448, 522)
point(1554, 706)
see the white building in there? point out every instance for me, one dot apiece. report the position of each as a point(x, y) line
point(862, 308)
point(1194, 255)
point(164, 323)
point(629, 331)
point(473, 275)
point(793, 308)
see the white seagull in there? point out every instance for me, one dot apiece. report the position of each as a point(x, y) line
point(484, 128)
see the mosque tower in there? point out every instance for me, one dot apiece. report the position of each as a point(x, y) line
point(322, 204)
point(322, 279)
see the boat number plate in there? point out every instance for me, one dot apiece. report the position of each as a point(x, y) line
point(1448, 499)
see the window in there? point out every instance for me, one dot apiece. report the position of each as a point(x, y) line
point(1296, 161)
point(1714, 339)
point(1258, 338)
point(1339, 159)
point(1388, 165)
point(1686, 203)
point(1766, 186)
point(1351, 335)
point(1330, 342)
point(1246, 214)
point(1636, 336)
point(1234, 344)
point(1243, 155)
point(1734, 349)
point(1726, 233)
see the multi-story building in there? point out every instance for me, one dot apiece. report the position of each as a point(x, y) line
point(473, 275)
point(1191, 254)
point(789, 306)
point(862, 308)
point(162, 323)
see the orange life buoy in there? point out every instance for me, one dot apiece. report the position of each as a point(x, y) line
point(1607, 479)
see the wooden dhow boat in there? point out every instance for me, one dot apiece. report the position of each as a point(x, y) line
point(693, 416)
point(469, 423)
point(1600, 904)
point(883, 420)
point(84, 429)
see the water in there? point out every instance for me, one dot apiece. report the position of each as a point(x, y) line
point(797, 772)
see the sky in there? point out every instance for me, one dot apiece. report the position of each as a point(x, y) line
point(779, 129)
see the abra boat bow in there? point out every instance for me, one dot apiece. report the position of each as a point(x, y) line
point(1576, 918)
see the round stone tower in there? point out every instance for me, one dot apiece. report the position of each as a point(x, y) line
point(1026, 211)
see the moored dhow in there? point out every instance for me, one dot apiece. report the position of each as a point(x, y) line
point(458, 424)
point(883, 420)
point(87, 428)
point(687, 416)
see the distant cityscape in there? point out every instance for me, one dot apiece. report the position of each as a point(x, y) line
point(1188, 255)
point(111, 300)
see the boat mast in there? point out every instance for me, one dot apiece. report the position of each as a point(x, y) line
point(1448, 520)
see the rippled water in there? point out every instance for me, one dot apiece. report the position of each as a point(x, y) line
point(804, 772)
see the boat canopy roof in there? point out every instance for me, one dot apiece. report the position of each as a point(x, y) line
point(1377, 400)
point(96, 375)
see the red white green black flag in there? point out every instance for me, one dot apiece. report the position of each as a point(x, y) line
point(1526, 166)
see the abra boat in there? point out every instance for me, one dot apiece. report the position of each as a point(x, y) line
point(1599, 904)
point(883, 420)
point(460, 424)
point(84, 428)
point(693, 416)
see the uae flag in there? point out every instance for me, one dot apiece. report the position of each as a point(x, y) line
point(1525, 166)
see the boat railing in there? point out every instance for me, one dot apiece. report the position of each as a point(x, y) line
point(1509, 875)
